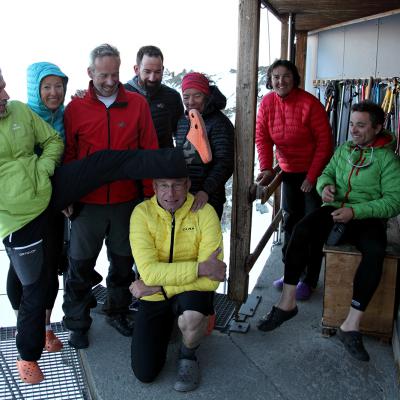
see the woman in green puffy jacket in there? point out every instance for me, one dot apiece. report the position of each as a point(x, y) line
point(360, 188)
point(46, 92)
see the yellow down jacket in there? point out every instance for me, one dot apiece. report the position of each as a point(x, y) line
point(168, 248)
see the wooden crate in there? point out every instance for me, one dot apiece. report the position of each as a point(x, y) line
point(340, 268)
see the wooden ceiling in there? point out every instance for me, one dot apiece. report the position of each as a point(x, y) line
point(317, 14)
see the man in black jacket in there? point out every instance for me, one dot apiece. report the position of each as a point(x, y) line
point(165, 103)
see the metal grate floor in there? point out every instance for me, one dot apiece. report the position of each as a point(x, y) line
point(224, 308)
point(64, 376)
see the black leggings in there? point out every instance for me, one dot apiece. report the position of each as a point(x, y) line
point(53, 242)
point(153, 326)
point(295, 205)
point(368, 235)
point(71, 182)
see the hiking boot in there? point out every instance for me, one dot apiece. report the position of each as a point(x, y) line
point(121, 324)
point(197, 135)
point(78, 339)
point(353, 343)
point(52, 343)
point(275, 318)
point(278, 284)
point(303, 291)
point(29, 372)
point(188, 375)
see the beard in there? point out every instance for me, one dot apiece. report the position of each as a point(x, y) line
point(150, 88)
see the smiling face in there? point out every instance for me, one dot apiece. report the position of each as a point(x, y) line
point(3, 96)
point(105, 75)
point(361, 129)
point(171, 193)
point(282, 81)
point(194, 99)
point(52, 92)
point(150, 72)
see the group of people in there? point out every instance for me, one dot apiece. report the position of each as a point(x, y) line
point(108, 163)
point(109, 150)
point(359, 187)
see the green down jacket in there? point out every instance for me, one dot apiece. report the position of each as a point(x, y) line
point(366, 179)
point(24, 177)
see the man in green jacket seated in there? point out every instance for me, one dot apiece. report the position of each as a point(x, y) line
point(178, 255)
point(360, 188)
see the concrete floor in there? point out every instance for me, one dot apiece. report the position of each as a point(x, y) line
point(292, 362)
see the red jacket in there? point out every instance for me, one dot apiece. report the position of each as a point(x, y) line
point(126, 124)
point(299, 128)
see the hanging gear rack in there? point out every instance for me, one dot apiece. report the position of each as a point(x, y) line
point(339, 95)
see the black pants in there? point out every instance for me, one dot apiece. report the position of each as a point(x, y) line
point(153, 326)
point(71, 182)
point(26, 252)
point(295, 205)
point(368, 235)
point(53, 243)
point(89, 229)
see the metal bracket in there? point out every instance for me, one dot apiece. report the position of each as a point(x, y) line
point(239, 327)
point(241, 318)
point(249, 308)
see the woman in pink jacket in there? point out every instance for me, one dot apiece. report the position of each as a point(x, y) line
point(295, 122)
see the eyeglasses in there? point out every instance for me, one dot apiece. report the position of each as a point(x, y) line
point(175, 187)
point(359, 163)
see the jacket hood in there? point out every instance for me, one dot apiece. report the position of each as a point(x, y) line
point(217, 101)
point(35, 74)
point(134, 82)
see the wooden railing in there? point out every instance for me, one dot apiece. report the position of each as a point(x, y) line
point(264, 193)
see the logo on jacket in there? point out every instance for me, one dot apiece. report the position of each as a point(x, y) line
point(160, 105)
point(188, 228)
point(15, 126)
point(122, 124)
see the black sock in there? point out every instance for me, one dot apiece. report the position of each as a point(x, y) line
point(187, 353)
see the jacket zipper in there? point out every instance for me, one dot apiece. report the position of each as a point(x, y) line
point(171, 248)
point(346, 196)
point(109, 147)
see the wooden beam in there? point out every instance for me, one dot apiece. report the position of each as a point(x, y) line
point(301, 52)
point(271, 9)
point(246, 104)
point(291, 36)
point(284, 36)
point(252, 258)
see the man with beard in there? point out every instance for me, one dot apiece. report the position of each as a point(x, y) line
point(165, 103)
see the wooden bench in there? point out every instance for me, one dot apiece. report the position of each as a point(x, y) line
point(341, 263)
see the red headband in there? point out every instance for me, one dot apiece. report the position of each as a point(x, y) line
point(195, 80)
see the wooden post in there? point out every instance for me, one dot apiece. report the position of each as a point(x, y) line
point(301, 52)
point(284, 36)
point(246, 104)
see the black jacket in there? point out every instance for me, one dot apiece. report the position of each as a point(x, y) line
point(165, 107)
point(210, 177)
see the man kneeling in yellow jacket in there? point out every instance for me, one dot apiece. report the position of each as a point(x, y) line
point(178, 255)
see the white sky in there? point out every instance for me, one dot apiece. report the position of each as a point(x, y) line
point(194, 34)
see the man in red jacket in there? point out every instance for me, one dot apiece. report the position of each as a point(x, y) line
point(107, 117)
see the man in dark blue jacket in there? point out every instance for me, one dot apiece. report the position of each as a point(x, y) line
point(165, 103)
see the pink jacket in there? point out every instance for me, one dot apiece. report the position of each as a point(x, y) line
point(299, 128)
